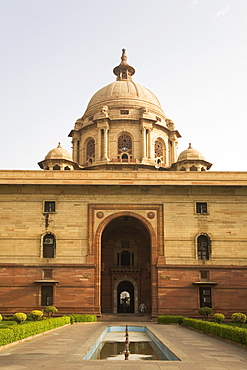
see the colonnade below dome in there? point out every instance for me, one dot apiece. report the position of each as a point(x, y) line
point(124, 142)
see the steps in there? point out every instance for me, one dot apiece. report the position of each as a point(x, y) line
point(126, 317)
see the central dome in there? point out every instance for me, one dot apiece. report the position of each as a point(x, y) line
point(124, 93)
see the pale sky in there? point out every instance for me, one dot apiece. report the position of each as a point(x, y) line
point(55, 54)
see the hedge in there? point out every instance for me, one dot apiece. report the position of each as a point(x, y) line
point(170, 319)
point(6, 336)
point(82, 318)
point(234, 334)
point(28, 329)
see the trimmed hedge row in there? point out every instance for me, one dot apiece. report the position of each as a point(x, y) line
point(82, 318)
point(234, 334)
point(170, 319)
point(28, 329)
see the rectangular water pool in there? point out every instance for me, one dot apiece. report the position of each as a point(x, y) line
point(144, 345)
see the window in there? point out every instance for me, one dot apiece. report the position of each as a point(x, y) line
point(204, 275)
point(124, 147)
point(90, 151)
point(201, 207)
point(205, 297)
point(47, 274)
point(159, 149)
point(124, 111)
point(49, 207)
point(46, 295)
point(193, 168)
point(203, 247)
point(56, 167)
point(49, 246)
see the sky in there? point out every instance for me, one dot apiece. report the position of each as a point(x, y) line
point(55, 54)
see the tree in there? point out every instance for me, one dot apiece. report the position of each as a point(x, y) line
point(50, 310)
point(219, 318)
point(238, 318)
point(205, 311)
point(19, 317)
point(36, 315)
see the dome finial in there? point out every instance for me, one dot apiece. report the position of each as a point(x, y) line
point(59, 145)
point(124, 57)
point(123, 71)
point(190, 147)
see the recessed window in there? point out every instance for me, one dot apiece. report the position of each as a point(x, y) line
point(204, 275)
point(193, 168)
point(47, 274)
point(49, 206)
point(56, 167)
point(49, 246)
point(203, 247)
point(46, 295)
point(205, 297)
point(124, 111)
point(201, 207)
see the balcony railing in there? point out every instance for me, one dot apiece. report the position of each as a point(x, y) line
point(125, 270)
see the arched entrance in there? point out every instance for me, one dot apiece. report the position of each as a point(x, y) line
point(125, 297)
point(125, 261)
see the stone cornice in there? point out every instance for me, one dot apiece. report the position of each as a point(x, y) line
point(176, 178)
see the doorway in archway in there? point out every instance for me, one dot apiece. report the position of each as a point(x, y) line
point(125, 297)
point(125, 258)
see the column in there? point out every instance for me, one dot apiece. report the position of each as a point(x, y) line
point(144, 143)
point(98, 147)
point(105, 143)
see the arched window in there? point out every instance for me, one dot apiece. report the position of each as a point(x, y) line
point(56, 167)
point(193, 168)
point(124, 147)
point(66, 168)
point(125, 157)
point(159, 149)
point(49, 245)
point(90, 151)
point(203, 247)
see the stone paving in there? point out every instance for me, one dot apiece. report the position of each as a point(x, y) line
point(65, 347)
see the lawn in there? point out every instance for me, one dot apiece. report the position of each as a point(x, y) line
point(6, 323)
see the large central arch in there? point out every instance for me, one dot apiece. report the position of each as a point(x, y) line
point(126, 249)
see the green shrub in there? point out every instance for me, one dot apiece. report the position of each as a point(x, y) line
point(19, 317)
point(238, 318)
point(31, 328)
point(82, 318)
point(219, 318)
point(36, 315)
point(6, 336)
point(234, 334)
point(205, 311)
point(8, 318)
point(50, 310)
point(170, 319)
point(1, 317)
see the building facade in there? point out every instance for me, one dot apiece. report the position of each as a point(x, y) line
point(124, 220)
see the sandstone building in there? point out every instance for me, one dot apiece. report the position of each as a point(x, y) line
point(124, 220)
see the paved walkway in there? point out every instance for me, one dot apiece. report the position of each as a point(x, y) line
point(64, 348)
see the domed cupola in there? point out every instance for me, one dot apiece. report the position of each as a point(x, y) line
point(124, 127)
point(58, 159)
point(191, 160)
